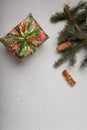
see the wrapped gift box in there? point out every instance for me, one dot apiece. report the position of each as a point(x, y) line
point(25, 38)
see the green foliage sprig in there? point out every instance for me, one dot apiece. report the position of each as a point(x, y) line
point(75, 31)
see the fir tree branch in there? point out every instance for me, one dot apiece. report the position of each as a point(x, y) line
point(75, 31)
point(70, 16)
point(81, 17)
point(72, 60)
point(60, 61)
point(67, 34)
point(70, 55)
point(60, 16)
point(81, 5)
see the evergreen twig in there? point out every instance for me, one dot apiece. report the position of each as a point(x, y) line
point(74, 31)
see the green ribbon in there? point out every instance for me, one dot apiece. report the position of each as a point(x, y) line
point(25, 42)
point(23, 39)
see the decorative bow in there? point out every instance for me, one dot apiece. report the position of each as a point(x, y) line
point(22, 35)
